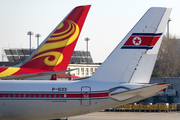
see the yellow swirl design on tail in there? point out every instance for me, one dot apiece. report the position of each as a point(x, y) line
point(60, 44)
point(72, 31)
point(54, 34)
point(62, 37)
point(9, 71)
point(61, 25)
point(58, 58)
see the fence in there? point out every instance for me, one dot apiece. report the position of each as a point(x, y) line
point(145, 108)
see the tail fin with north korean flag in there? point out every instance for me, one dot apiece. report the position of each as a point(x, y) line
point(55, 51)
point(132, 61)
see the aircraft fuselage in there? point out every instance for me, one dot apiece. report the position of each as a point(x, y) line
point(25, 100)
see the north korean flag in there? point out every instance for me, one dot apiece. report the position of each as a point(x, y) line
point(142, 41)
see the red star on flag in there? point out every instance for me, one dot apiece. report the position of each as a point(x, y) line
point(136, 41)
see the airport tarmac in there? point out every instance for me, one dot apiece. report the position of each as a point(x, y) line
point(128, 116)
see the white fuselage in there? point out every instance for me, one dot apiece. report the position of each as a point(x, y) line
point(37, 100)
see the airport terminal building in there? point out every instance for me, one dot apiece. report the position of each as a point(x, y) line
point(171, 93)
point(80, 60)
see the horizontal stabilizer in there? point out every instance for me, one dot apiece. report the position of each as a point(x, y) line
point(144, 92)
point(81, 78)
point(24, 76)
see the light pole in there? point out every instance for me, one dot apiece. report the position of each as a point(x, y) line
point(30, 33)
point(37, 35)
point(87, 39)
point(168, 28)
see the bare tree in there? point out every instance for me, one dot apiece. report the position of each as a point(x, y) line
point(168, 60)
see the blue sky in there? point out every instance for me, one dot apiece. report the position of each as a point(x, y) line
point(106, 24)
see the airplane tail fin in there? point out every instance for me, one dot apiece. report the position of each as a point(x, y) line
point(132, 61)
point(56, 50)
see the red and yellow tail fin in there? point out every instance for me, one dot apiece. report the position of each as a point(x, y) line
point(55, 52)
